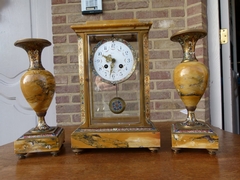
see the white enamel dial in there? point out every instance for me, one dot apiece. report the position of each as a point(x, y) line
point(114, 60)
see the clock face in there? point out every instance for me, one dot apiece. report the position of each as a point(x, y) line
point(114, 60)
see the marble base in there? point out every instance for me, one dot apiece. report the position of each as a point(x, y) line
point(32, 142)
point(200, 137)
point(115, 138)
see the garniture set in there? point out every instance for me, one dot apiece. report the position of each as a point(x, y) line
point(115, 91)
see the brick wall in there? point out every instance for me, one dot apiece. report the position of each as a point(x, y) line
point(168, 16)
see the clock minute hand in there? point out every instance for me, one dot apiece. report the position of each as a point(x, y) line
point(110, 59)
point(112, 64)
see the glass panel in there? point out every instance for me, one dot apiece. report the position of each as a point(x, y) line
point(114, 77)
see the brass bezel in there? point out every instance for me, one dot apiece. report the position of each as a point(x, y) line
point(111, 39)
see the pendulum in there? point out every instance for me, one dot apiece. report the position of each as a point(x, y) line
point(117, 104)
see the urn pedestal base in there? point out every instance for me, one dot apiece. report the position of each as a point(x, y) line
point(35, 142)
point(137, 137)
point(195, 137)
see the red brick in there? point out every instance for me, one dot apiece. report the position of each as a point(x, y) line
point(133, 77)
point(150, 65)
point(159, 54)
point(151, 85)
point(159, 95)
point(133, 5)
point(200, 114)
point(74, 1)
point(107, 6)
point(118, 15)
point(60, 59)
point(162, 115)
point(58, 2)
point(76, 98)
point(161, 105)
point(65, 49)
point(168, 23)
point(99, 97)
point(130, 86)
point(177, 53)
point(207, 92)
point(61, 29)
point(193, 10)
point(151, 14)
point(131, 106)
point(194, 20)
point(177, 115)
point(167, 3)
point(72, 8)
point(151, 105)
point(160, 75)
point(63, 118)
point(59, 19)
point(199, 52)
point(176, 95)
point(59, 39)
point(164, 44)
point(202, 104)
point(168, 64)
point(75, 79)
point(73, 38)
point(191, 2)
point(165, 85)
point(61, 79)
point(62, 99)
point(177, 13)
point(150, 46)
point(204, 2)
point(68, 108)
point(158, 34)
point(67, 89)
point(80, 19)
point(74, 59)
point(66, 69)
point(129, 95)
point(76, 118)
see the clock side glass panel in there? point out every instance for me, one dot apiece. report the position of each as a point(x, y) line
point(114, 79)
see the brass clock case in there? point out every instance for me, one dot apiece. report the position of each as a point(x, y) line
point(114, 110)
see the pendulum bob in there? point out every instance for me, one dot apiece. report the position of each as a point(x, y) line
point(190, 79)
point(38, 87)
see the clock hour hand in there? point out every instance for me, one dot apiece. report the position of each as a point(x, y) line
point(110, 59)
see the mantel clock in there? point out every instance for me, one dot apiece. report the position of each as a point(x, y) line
point(114, 86)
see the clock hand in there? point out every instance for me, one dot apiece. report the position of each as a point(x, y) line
point(112, 64)
point(110, 59)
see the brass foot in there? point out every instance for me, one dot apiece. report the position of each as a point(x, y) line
point(153, 149)
point(22, 156)
point(176, 150)
point(77, 150)
point(54, 153)
point(212, 151)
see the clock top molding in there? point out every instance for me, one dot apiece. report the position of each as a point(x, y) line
point(112, 25)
